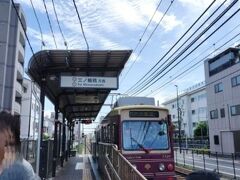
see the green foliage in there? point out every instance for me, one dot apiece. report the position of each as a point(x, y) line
point(46, 136)
point(201, 130)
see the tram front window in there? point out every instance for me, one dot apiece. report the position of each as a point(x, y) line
point(145, 135)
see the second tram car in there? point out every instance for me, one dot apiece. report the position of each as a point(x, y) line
point(143, 134)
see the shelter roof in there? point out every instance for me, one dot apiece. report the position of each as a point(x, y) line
point(46, 68)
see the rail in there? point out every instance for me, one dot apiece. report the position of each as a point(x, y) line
point(114, 165)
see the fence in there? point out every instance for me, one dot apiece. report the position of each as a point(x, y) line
point(193, 142)
point(29, 150)
point(223, 164)
point(114, 165)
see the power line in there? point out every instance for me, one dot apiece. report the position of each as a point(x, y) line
point(39, 26)
point(79, 18)
point(55, 12)
point(139, 41)
point(197, 64)
point(150, 37)
point(144, 77)
point(49, 23)
point(148, 85)
point(142, 86)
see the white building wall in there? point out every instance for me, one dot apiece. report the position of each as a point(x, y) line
point(192, 112)
point(30, 113)
point(223, 127)
point(12, 57)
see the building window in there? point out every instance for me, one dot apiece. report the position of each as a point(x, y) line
point(24, 89)
point(173, 106)
point(222, 112)
point(236, 81)
point(193, 111)
point(173, 116)
point(214, 114)
point(235, 110)
point(192, 99)
point(218, 87)
point(216, 139)
point(219, 64)
point(194, 124)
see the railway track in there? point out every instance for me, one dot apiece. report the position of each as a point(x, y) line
point(181, 172)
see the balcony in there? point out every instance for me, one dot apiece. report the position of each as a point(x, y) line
point(21, 53)
point(19, 89)
point(17, 108)
point(19, 71)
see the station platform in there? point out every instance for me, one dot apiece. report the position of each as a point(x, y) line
point(81, 167)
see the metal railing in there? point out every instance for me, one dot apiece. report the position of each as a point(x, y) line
point(114, 165)
point(223, 164)
point(192, 142)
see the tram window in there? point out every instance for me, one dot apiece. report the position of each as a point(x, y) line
point(138, 135)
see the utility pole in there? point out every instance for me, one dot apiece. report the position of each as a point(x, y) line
point(179, 123)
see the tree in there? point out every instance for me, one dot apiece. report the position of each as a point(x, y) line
point(201, 130)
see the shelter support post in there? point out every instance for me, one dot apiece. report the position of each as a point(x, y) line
point(70, 139)
point(55, 144)
point(63, 140)
point(40, 144)
point(59, 142)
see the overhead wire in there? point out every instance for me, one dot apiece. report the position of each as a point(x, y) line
point(39, 26)
point(145, 77)
point(60, 29)
point(150, 84)
point(197, 64)
point(50, 24)
point(20, 20)
point(80, 21)
point(187, 47)
point(151, 35)
point(140, 39)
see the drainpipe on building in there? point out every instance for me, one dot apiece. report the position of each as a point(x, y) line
point(229, 122)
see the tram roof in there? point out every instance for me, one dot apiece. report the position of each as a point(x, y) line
point(46, 68)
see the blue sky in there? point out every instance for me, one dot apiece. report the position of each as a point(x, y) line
point(113, 24)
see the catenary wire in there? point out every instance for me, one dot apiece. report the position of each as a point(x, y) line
point(187, 47)
point(148, 85)
point(139, 41)
point(50, 25)
point(149, 37)
point(80, 21)
point(39, 26)
point(173, 46)
point(195, 65)
point(20, 20)
point(60, 29)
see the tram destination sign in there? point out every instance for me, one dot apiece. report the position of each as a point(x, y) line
point(89, 82)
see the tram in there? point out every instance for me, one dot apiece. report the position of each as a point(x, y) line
point(143, 134)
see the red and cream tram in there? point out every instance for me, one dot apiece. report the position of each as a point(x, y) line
point(143, 134)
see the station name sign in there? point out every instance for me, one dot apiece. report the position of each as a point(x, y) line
point(89, 82)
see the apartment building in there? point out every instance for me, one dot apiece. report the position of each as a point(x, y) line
point(193, 109)
point(222, 74)
point(31, 110)
point(12, 47)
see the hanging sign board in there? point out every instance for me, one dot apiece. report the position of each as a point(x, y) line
point(89, 82)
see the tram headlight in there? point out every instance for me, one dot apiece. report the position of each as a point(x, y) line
point(161, 167)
